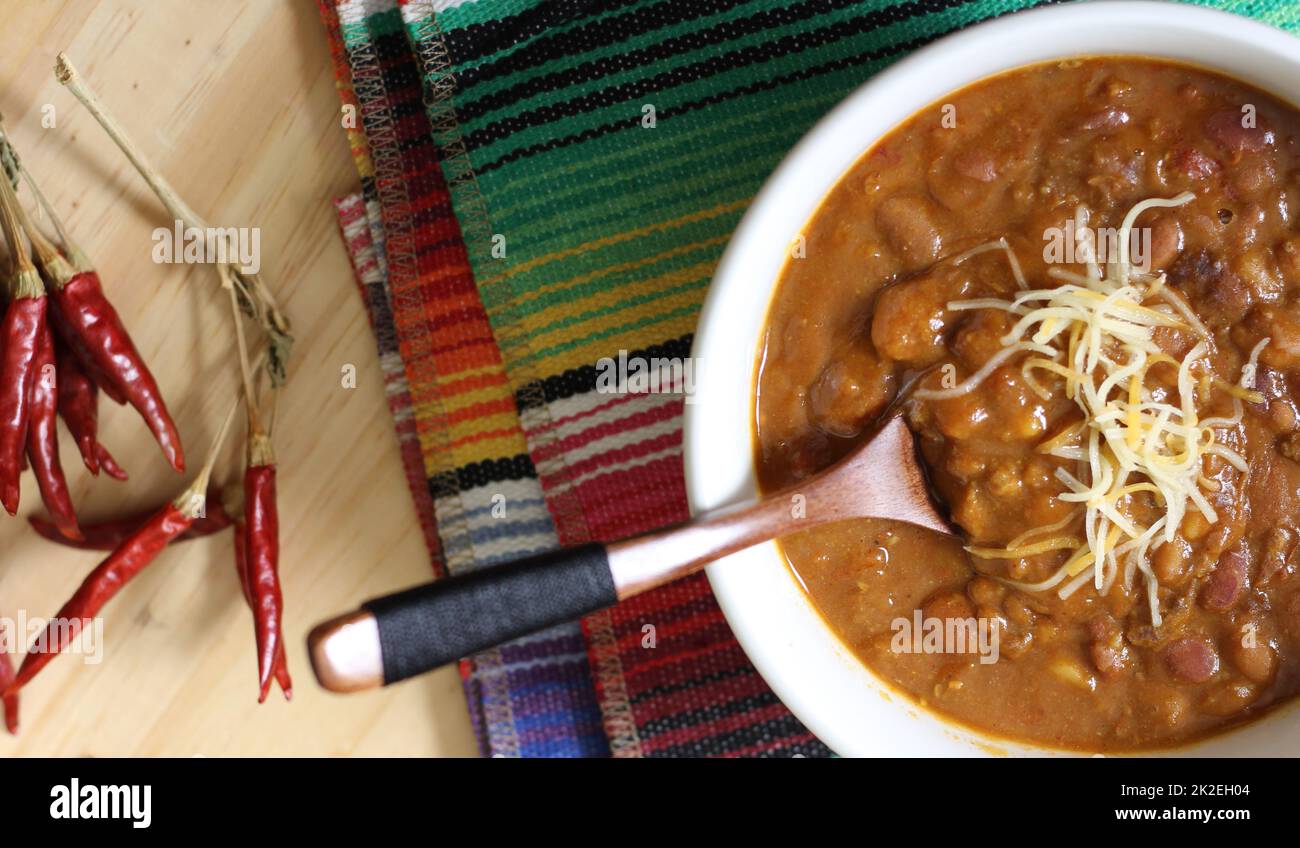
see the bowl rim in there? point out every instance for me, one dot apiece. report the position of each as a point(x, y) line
point(745, 584)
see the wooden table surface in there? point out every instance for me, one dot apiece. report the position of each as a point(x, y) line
point(234, 101)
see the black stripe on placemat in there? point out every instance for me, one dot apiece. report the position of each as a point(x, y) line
point(594, 35)
point(451, 483)
point(595, 69)
point(578, 381)
point(487, 37)
point(634, 121)
point(710, 66)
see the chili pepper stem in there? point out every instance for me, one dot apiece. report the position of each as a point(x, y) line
point(13, 229)
point(245, 370)
point(249, 285)
point(192, 499)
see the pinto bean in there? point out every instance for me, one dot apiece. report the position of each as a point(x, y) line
point(1107, 119)
point(1166, 704)
point(1281, 324)
point(1229, 699)
point(1258, 270)
point(1171, 561)
point(1191, 660)
point(979, 336)
point(977, 165)
point(1166, 242)
point(1227, 583)
point(1253, 178)
point(910, 225)
point(1252, 655)
point(947, 605)
point(1225, 130)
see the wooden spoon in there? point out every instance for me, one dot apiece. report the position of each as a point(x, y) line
point(398, 636)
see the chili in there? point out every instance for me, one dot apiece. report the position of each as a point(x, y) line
point(92, 328)
point(87, 315)
point(106, 462)
point(43, 440)
point(127, 560)
point(10, 700)
point(281, 669)
point(24, 324)
point(79, 407)
point(262, 550)
point(107, 535)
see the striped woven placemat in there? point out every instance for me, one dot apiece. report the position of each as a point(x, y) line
point(546, 185)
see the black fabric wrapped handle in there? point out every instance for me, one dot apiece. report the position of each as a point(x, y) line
point(440, 622)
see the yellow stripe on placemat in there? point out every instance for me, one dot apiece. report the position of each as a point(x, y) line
point(616, 238)
point(617, 268)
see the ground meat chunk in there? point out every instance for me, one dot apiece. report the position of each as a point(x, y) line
point(1109, 652)
point(912, 316)
point(853, 388)
point(1223, 297)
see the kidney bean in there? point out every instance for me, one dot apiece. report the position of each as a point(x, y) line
point(1227, 582)
point(1225, 129)
point(1193, 163)
point(1191, 660)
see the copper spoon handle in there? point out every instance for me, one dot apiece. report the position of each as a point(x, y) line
point(398, 636)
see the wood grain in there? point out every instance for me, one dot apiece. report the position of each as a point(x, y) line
point(234, 101)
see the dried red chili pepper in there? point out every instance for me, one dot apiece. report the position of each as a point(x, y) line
point(79, 407)
point(68, 338)
point(43, 440)
point(127, 560)
point(24, 324)
point(77, 404)
point(262, 550)
point(91, 325)
point(235, 507)
point(92, 328)
point(106, 462)
point(107, 535)
point(10, 701)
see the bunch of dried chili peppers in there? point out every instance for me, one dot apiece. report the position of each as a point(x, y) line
point(63, 343)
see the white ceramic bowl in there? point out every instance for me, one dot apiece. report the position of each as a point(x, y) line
point(838, 699)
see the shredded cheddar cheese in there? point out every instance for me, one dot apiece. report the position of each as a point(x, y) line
point(1095, 331)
